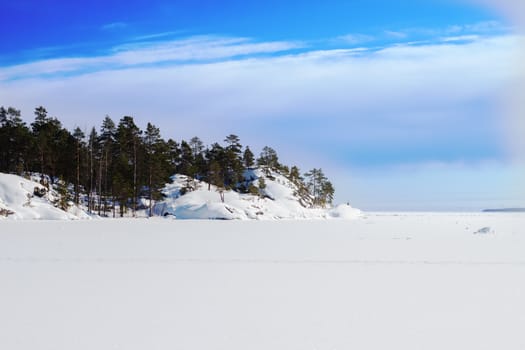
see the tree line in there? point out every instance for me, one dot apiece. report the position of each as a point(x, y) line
point(120, 163)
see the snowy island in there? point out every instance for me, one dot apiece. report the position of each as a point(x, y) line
point(22, 198)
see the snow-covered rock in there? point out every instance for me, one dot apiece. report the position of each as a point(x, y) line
point(278, 200)
point(18, 201)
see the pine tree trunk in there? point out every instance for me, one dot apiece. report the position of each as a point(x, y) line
point(106, 182)
point(134, 177)
point(99, 186)
point(42, 163)
point(90, 175)
point(150, 193)
point(77, 185)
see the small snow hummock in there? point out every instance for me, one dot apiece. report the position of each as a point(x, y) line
point(344, 211)
point(484, 231)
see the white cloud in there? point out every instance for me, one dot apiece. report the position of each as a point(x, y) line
point(513, 104)
point(321, 102)
point(361, 90)
point(191, 49)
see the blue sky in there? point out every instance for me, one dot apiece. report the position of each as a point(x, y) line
point(374, 92)
point(47, 29)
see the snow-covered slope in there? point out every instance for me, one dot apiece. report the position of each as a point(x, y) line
point(17, 201)
point(278, 200)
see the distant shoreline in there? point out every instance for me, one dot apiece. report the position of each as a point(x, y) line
point(505, 210)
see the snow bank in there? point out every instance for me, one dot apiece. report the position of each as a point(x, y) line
point(18, 201)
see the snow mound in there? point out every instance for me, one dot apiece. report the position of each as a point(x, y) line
point(278, 200)
point(484, 231)
point(344, 211)
point(18, 201)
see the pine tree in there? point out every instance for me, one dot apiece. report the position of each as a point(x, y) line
point(186, 166)
point(3, 116)
point(94, 154)
point(63, 195)
point(156, 160)
point(107, 142)
point(248, 158)
point(215, 176)
point(53, 146)
point(42, 133)
point(268, 159)
point(196, 146)
point(215, 173)
point(295, 175)
point(233, 165)
point(79, 145)
point(327, 192)
point(15, 141)
point(129, 142)
point(320, 188)
point(174, 154)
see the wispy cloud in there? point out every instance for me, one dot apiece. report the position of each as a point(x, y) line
point(114, 26)
point(155, 49)
point(402, 94)
point(436, 34)
point(197, 49)
point(395, 34)
point(460, 38)
point(485, 27)
point(354, 39)
point(422, 35)
point(194, 49)
point(157, 35)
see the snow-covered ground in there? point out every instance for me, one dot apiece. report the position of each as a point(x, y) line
point(383, 281)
